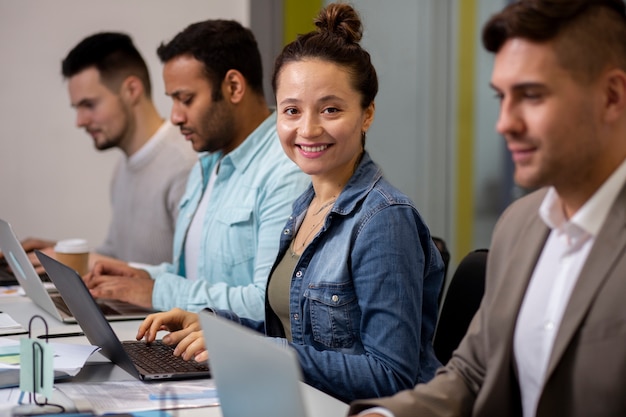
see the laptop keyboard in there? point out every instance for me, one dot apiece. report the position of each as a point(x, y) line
point(60, 304)
point(158, 358)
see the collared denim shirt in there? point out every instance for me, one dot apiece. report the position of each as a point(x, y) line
point(363, 297)
point(252, 196)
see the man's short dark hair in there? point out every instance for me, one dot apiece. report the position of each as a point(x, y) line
point(113, 54)
point(589, 34)
point(221, 45)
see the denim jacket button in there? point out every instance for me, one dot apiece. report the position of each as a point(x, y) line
point(299, 274)
point(335, 298)
point(286, 231)
point(296, 316)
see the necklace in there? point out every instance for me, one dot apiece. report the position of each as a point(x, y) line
point(332, 201)
point(311, 230)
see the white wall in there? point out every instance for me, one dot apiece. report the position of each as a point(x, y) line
point(53, 183)
point(413, 45)
point(490, 154)
point(409, 42)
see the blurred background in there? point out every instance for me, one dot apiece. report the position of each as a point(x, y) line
point(433, 134)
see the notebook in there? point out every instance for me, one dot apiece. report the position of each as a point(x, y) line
point(53, 302)
point(253, 376)
point(154, 361)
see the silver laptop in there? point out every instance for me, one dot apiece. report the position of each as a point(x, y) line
point(253, 376)
point(154, 361)
point(52, 302)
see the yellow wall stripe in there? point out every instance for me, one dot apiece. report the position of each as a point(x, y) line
point(465, 127)
point(298, 17)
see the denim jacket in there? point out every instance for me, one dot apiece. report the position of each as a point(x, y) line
point(252, 196)
point(363, 297)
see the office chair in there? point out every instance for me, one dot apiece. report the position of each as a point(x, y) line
point(461, 301)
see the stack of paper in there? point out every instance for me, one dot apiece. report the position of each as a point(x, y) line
point(133, 396)
point(9, 326)
point(68, 360)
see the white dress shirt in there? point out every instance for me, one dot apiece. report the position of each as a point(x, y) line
point(553, 281)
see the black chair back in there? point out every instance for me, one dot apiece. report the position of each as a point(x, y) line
point(461, 302)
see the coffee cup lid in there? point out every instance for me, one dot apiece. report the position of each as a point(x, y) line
point(71, 246)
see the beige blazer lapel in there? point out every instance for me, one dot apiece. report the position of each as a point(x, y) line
point(610, 245)
point(511, 268)
point(519, 268)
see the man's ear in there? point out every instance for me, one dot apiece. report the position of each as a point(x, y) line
point(234, 86)
point(615, 94)
point(131, 89)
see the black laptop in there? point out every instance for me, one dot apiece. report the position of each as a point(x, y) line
point(154, 361)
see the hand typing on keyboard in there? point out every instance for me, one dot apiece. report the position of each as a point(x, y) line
point(185, 332)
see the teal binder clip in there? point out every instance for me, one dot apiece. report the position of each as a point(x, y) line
point(36, 374)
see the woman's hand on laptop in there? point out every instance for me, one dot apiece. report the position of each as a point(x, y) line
point(185, 332)
point(192, 347)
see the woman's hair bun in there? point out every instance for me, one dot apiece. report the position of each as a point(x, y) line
point(340, 20)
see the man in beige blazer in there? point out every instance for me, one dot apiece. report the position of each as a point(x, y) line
point(550, 336)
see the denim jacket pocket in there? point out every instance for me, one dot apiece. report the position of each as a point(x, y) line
point(334, 314)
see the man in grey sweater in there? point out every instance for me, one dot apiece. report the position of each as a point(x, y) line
point(109, 87)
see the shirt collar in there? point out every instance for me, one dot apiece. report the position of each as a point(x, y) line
point(245, 153)
point(145, 151)
point(591, 216)
point(365, 177)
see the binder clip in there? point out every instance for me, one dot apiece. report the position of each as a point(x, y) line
point(36, 374)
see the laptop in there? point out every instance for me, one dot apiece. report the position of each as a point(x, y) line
point(154, 361)
point(253, 376)
point(7, 277)
point(52, 301)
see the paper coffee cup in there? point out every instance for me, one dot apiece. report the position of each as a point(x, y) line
point(73, 253)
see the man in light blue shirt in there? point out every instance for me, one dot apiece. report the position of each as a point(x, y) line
point(238, 195)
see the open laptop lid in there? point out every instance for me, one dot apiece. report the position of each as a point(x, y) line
point(24, 271)
point(254, 377)
point(36, 290)
point(97, 328)
point(87, 312)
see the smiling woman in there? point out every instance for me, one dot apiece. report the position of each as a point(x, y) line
point(355, 284)
point(321, 122)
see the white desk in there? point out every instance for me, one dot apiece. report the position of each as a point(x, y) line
point(99, 369)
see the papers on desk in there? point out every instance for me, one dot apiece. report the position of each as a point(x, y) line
point(132, 396)
point(68, 359)
point(10, 397)
point(9, 326)
point(11, 291)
